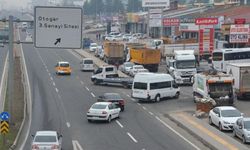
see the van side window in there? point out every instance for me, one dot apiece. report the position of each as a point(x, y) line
point(160, 85)
point(109, 69)
point(139, 85)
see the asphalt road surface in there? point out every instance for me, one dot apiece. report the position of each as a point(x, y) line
point(61, 102)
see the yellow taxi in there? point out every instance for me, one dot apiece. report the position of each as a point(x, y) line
point(63, 67)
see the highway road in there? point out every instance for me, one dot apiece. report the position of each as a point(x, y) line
point(61, 102)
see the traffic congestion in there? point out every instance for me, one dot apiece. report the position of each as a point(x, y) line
point(134, 74)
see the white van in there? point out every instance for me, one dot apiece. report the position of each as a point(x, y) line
point(154, 86)
point(87, 64)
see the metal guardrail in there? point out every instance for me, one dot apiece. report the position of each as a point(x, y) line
point(3, 85)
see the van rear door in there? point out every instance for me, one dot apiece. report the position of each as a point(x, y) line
point(140, 90)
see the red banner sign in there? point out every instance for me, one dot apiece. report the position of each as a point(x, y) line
point(206, 21)
point(240, 21)
point(171, 22)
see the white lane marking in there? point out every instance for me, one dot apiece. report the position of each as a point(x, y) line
point(143, 149)
point(82, 82)
point(119, 123)
point(51, 78)
point(87, 88)
point(144, 108)
point(56, 90)
point(139, 104)
point(177, 133)
point(47, 70)
point(68, 124)
point(128, 95)
point(133, 99)
point(151, 113)
point(93, 94)
point(76, 145)
point(49, 74)
point(131, 137)
point(54, 83)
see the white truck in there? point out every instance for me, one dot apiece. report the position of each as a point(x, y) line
point(181, 65)
point(214, 85)
point(108, 74)
point(241, 74)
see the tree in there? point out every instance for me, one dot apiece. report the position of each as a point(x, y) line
point(118, 6)
point(134, 5)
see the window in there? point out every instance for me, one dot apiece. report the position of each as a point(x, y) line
point(139, 85)
point(99, 106)
point(160, 85)
point(99, 70)
point(217, 56)
point(64, 65)
point(109, 69)
point(88, 61)
point(110, 106)
point(45, 138)
point(237, 56)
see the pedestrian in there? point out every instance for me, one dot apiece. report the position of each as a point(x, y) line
point(99, 36)
point(96, 36)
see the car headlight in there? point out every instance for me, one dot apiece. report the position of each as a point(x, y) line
point(225, 122)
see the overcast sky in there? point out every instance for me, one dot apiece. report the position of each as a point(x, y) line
point(13, 4)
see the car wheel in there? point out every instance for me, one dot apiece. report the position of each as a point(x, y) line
point(210, 121)
point(220, 127)
point(234, 133)
point(95, 81)
point(109, 119)
point(157, 98)
point(177, 95)
point(243, 139)
point(89, 120)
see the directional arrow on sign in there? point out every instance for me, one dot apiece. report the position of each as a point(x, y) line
point(58, 40)
point(4, 127)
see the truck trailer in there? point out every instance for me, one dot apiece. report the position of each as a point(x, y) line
point(241, 75)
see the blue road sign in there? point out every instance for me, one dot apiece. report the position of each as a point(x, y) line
point(5, 116)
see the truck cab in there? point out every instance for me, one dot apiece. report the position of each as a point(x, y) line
point(182, 66)
point(106, 71)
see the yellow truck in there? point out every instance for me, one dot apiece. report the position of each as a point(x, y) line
point(113, 52)
point(149, 58)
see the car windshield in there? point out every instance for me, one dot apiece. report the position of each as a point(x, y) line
point(93, 45)
point(247, 125)
point(139, 67)
point(184, 64)
point(99, 106)
point(230, 113)
point(128, 65)
point(88, 61)
point(112, 96)
point(45, 138)
point(64, 65)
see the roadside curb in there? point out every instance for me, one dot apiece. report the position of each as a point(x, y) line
point(209, 145)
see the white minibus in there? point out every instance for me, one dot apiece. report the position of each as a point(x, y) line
point(154, 87)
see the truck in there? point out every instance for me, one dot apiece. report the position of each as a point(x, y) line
point(241, 75)
point(113, 53)
point(213, 85)
point(181, 65)
point(147, 57)
point(108, 74)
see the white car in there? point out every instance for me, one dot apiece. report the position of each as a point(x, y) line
point(109, 37)
point(117, 38)
point(103, 111)
point(224, 117)
point(126, 66)
point(126, 37)
point(136, 69)
point(93, 47)
point(1, 45)
point(87, 64)
point(47, 140)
